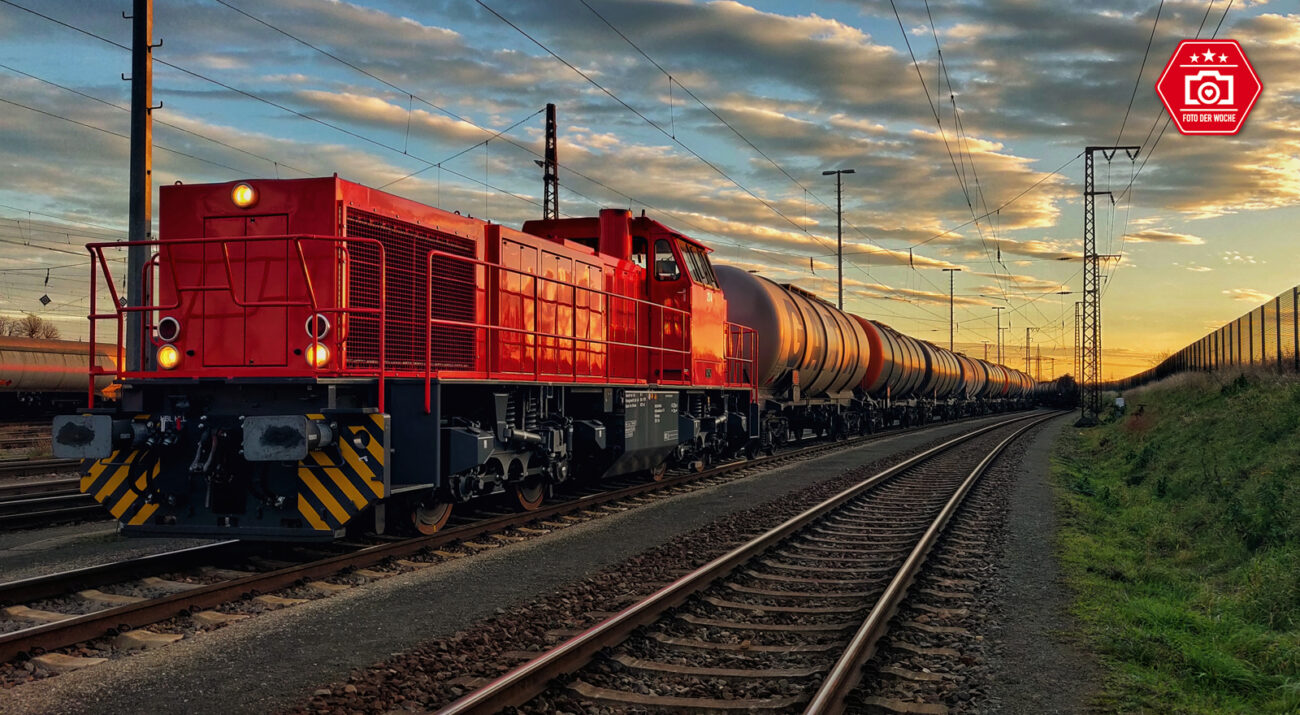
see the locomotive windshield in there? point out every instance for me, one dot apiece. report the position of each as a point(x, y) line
point(697, 262)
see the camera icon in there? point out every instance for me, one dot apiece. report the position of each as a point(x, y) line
point(1208, 87)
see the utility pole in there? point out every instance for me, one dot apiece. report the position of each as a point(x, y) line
point(1039, 362)
point(951, 273)
point(999, 308)
point(986, 350)
point(1091, 332)
point(1052, 367)
point(550, 171)
point(140, 219)
point(839, 228)
point(1027, 352)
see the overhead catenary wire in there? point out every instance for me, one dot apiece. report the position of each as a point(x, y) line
point(1127, 192)
point(157, 121)
point(655, 125)
point(525, 198)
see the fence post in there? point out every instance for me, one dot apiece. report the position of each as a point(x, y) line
point(1250, 337)
point(1277, 329)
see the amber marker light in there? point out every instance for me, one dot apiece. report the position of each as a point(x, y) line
point(244, 195)
point(317, 355)
point(169, 357)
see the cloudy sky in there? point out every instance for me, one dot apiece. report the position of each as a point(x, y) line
point(717, 118)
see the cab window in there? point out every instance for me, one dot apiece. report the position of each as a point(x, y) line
point(666, 268)
point(639, 250)
point(697, 262)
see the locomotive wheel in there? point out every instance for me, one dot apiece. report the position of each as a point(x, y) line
point(659, 472)
point(529, 496)
point(430, 519)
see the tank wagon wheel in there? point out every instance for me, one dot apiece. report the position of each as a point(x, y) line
point(430, 519)
point(529, 495)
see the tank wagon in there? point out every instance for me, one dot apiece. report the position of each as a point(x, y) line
point(40, 376)
point(323, 356)
point(825, 371)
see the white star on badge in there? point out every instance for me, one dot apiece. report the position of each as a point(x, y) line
point(1209, 55)
point(1223, 58)
point(1196, 58)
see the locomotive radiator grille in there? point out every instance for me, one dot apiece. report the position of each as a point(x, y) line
point(406, 247)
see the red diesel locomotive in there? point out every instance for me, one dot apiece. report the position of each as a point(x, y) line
point(324, 356)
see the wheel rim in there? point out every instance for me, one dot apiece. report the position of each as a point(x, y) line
point(429, 519)
point(529, 496)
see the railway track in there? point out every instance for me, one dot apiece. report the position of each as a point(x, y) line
point(23, 436)
point(33, 504)
point(25, 467)
point(49, 510)
point(47, 630)
point(786, 620)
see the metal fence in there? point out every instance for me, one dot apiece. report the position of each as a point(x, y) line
point(1266, 337)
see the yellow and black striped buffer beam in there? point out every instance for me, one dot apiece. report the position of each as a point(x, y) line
point(338, 482)
point(120, 481)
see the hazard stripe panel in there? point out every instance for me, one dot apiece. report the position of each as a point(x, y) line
point(340, 481)
point(121, 482)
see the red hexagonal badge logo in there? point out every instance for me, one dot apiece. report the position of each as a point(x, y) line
point(1209, 87)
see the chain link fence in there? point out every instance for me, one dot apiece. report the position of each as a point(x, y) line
point(1266, 337)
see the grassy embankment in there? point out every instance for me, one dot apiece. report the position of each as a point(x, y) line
point(1181, 537)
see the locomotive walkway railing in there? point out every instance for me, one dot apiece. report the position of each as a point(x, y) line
point(660, 323)
point(158, 269)
point(1267, 337)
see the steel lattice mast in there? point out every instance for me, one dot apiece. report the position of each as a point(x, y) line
point(1091, 330)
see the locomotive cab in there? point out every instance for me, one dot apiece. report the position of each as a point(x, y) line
point(687, 326)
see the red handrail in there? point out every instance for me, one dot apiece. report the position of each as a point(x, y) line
point(745, 335)
point(156, 262)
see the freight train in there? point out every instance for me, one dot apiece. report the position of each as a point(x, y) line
point(322, 356)
point(40, 377)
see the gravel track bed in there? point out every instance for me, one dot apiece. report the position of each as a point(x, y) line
point(939, 647)
point(908, 507)
point(437, 672)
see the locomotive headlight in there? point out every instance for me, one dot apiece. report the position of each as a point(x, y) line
point(168, 357)
point(317, 355)
point(318, 326)
point(169, 329)
point(244, 195)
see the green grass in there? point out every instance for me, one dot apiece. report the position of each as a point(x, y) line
point(1181, 538)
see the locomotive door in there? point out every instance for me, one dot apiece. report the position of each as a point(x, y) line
point(235, 334)
point(668, 330)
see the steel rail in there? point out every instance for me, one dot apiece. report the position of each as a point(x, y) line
point(44, 501)
point(845, 675)
point(38, 587)
point(526, 681)
point(44, 486)
point(49, 517)
point(93, 625)
point(20, 467)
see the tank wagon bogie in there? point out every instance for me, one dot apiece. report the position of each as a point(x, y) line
point(322, 357)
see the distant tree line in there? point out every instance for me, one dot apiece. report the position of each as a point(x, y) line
point(28, 326)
